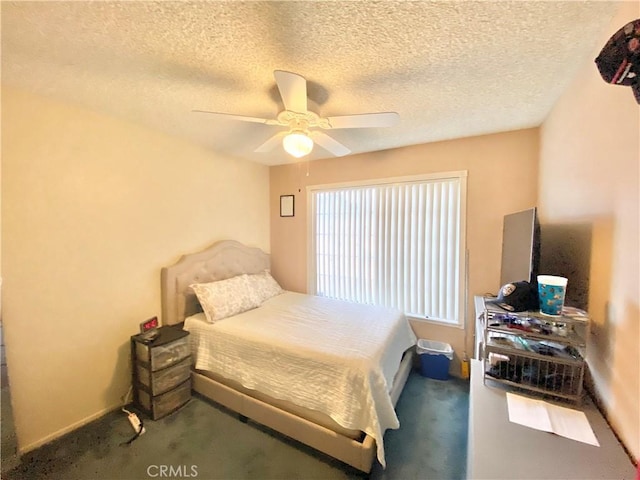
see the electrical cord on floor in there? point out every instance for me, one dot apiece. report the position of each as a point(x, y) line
point(134, 420)
point(125, 397)
point(138, 433)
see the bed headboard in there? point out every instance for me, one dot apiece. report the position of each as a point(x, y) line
point(220, 261)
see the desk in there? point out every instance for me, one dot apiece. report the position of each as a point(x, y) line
point(500, 449)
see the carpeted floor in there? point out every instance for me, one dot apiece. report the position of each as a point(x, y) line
point(205, 441)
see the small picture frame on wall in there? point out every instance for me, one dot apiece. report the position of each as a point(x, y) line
point(286, 205)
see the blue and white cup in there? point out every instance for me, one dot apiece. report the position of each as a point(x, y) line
point(551, 291)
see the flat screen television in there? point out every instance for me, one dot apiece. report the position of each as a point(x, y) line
point(520, 247)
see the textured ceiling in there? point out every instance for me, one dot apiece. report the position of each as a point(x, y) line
point(450, 69)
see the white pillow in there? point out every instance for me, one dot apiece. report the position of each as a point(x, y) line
point(225, 298)
point(263, 286)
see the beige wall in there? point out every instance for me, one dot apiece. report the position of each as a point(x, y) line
point(92, 208)
point(589, 183)
point(502, 178)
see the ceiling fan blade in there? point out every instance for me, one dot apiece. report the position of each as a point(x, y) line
point(293, 90)
point(271, 143)
point(364, 120)
point(230, 116)
point(328, 143)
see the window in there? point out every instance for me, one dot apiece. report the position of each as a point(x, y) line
point(397, 242)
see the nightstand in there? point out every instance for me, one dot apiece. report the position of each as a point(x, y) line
point(161, 371)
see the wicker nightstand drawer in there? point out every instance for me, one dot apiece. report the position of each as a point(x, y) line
point(162, 356)
point(161, 381)
point(162, 405)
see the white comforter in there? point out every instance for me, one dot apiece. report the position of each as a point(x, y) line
point(335, 357)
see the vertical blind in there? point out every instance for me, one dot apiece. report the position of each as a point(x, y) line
point(397, 245)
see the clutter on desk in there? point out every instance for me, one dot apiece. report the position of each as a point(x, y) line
point(536, 352)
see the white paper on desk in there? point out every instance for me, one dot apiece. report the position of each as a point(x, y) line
point(547, 417)
point(528, 412)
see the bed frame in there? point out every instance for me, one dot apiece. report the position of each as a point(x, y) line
point(227, 259)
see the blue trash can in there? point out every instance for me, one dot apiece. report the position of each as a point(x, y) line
point(435, 358)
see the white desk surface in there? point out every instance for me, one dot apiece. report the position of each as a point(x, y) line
point(500, 449)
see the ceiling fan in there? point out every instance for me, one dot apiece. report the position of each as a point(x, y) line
point(301, 124)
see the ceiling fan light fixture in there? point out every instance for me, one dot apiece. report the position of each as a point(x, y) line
point(297, 144)
point(299, 121)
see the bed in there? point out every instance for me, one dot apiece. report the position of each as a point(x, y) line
point(334, 390)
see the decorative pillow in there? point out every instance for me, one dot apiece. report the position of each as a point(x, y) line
point(225, 298)
point(263, 286)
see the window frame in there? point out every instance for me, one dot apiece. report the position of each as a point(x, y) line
point(460, 175)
